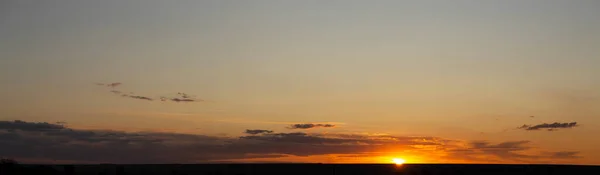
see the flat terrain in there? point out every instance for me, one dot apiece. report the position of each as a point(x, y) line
point(298, 169)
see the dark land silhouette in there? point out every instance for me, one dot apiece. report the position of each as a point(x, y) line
point(13, 168)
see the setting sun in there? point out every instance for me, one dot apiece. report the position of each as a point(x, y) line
point(398, 161)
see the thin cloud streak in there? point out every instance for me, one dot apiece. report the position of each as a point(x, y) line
point(310, 126)
point(138, 97)
point(182, 100)
point(550, 127)
point(515, 151)
point(112, 85)
point(181, 97)
point(257, 131)
point(115, 92)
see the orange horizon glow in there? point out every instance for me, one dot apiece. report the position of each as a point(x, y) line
point(398, 161)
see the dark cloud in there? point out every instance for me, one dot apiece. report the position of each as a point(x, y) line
point(182, 97)
point(140, 97)
point(550, 127)
point(29, 126)
point(130, 95)
point(310, 125)
point(137, 97)
point(182, 100)
point(41, 140)
point(257, 131)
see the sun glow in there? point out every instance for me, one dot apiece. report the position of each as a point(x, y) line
point(398, 161)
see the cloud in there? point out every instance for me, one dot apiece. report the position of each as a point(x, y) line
point(182, 97)
point(484, 151)
point(131, 95)
point(516, 151)
point(564, 154)
point(182, 100)
point(299, 137)
point(44, 140)
point(310, 125)
point(550, 127)
point(27, 126)
point(257, 131)
point(137, 97)
point(504, 149)
point(115, 92)
point(41, 140)
point(306, 144)
point(112, 85)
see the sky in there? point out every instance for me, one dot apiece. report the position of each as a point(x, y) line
point(433, 81)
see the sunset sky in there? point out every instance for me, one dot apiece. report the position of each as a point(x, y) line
point(341, 81)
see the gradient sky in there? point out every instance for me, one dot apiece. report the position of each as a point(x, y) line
point(462, 75)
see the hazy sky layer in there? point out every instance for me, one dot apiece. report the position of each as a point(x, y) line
point(468, 71)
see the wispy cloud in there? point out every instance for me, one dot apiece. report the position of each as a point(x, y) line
point(138, 97)
point(310, 126)
point(112, 85)
point(30, 126)
point(115, 92)
point(504, 149)
point(182, 100)
point(516, 151)
point(180, 96)
point(549, 126)
point(184, 95)
point(257, 131)
point(565, 154)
